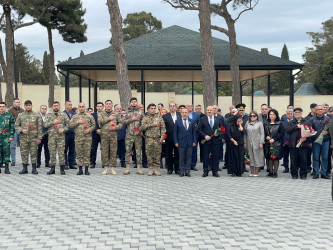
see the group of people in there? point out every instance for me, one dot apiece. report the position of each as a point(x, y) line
point(250, 139)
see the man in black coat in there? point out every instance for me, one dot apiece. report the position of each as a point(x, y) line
point(207, 127)
point(298, 154)
point(171, 151)
point(96, 138)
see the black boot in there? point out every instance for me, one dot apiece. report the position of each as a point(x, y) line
point(52, 170)
point(7, 169)
point(86, 172)
point(25, 169)
point(80, 171)
point(34, 171)
point(62, 170)
point(161, 163)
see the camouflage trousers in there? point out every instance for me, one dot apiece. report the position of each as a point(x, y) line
point(28, 146)
point(137, 140)
point(83, 148)
point(4, 150)
point(57, 143)
point(109, 149)
point(153, 150)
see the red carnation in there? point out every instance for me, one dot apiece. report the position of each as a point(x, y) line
point(85, 127)
point(222, 129)
point(287, 142)
point(31, 127)
point(165, 136)
point(4, 129)
point(247, 163)
point(112, 124)
point(327, 121)
point(55, 126)
point(136, 128)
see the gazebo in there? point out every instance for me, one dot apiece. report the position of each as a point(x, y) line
point(173, 55)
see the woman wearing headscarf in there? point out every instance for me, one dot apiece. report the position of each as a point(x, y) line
point(235, 132)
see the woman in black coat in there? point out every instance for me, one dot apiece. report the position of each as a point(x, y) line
point(235, 132)
point(274, 132)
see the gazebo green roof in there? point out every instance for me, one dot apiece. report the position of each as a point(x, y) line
point(162, 54)
point(308, 88)
point(259, 93)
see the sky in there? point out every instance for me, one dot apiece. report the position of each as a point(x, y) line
point(271, 24)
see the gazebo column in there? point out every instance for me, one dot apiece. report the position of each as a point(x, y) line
point(269, 90)
point(143, 90)
point(89, 93)
point(240, 92)
point(95, 94)
point(80, 89)
point(192, 93)
point(252, 91)
point(217, 87)
point(67, 86)
point(291, 88)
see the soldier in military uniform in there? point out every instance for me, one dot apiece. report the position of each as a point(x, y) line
point(57, 124)
point(29, 125)
point(83, 124)
point(6, 135)
point(154, 126)
point(133, 135)
point(109, 121)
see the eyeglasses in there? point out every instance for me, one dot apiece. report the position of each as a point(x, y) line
point(253, 116)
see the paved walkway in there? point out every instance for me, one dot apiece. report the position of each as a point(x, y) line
point(167, 212)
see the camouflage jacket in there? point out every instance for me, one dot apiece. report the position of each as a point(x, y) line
point(7, 125)
point(105, 122)
point(130, 123)
point(152, 131)
point(52, 127)
point(31, 121)
point(80, 128)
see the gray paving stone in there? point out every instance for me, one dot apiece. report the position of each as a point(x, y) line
point(167, 212)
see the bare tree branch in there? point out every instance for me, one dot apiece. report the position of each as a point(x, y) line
point(223, 30)
point(247, 9)
point(33, 22)
point(2, 61)
point(2, 16)
point(182, 4)
point(25, 24)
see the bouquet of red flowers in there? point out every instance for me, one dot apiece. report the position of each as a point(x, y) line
point(272, 153)
point(306, 131)
point(218, 131)
point(320, 138)
point(246, 159)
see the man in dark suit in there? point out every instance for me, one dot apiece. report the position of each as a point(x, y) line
point(222, 141)
point(195, 118)
point(96, 138)
point(184, 137)
point(171, 151)
point(207, 127)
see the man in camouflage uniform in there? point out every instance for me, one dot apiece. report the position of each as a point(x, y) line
point(30, 126)
point(83, 124)
point(6, 135)
point(154, 126)
point(15, 110)
point(57, 125)
point(133, 135)
point(109, 121)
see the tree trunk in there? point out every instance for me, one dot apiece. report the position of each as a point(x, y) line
point(119, 53)
point(51, 68)
point(10, 61)
point(207, 55)
point(234, 63)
